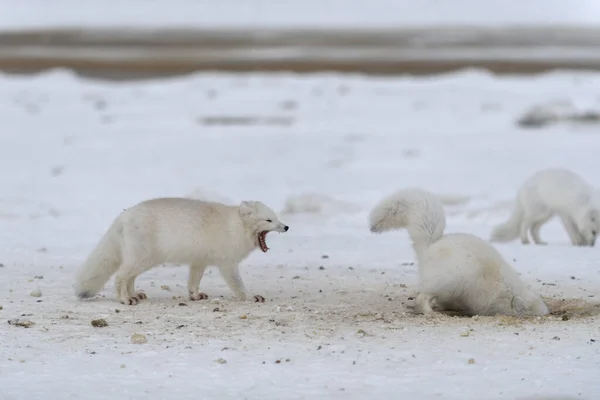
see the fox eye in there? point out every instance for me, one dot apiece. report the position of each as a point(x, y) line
point(269, 220)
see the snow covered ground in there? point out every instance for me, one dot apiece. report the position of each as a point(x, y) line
point(338, 321)
point(293, 13)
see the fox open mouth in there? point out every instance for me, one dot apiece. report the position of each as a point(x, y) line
point(262, 241)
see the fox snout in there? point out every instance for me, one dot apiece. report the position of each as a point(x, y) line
point(282, 228)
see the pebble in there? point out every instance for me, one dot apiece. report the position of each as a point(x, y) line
point(138, 338)
point(471, 361)
point(283, 307)
point(221, 360)
point(99, 323)
point(166, 287)
point(23, 323)
point(465, 332)
point(362, 333)
point(36, 293)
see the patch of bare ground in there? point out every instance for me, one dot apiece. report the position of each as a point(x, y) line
point(136, 53)
point(302, 304)
point(240, 120)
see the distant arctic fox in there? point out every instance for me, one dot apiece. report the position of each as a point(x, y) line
point(181, 231)
point(547, 193)
point(461, 272)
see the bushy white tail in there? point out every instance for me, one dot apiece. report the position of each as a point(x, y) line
point(509, 230)
point(419, 212)
point(101, 263)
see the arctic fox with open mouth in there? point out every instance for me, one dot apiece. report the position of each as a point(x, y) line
point(179, 231)
point(460, 271)
point(548, 193)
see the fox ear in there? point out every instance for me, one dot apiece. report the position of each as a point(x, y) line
point(519, 305)
point(246, 207)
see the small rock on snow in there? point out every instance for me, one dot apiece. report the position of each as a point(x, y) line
point(138, 338)
point(99, 323)
point(22, 323)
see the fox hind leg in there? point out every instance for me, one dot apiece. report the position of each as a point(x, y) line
point(523, 230)
point(424, 303)
point(535, 229)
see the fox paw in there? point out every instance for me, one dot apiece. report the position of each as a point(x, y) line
point(259, 299)
point(141, 296)
point(198, 296)
point(130, 301)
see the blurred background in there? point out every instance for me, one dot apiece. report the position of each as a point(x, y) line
point(141, 38)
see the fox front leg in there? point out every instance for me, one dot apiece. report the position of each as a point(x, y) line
point(231, 274)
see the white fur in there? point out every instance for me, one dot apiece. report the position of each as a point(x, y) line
point(461, 272)
point(549, 193)
point(179, 231)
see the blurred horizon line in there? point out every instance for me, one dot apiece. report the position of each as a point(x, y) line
point(132, 53)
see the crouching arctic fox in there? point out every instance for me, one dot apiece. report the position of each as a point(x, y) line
point(461, 272)
point(181, 231)
point(548, 193)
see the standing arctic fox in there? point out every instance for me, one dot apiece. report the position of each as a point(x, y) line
point(460, 271)
point(548, 193)
point(182, 231)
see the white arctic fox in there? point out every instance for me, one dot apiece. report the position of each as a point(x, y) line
point(548, 193)
point(181, 231)
point(460, 271)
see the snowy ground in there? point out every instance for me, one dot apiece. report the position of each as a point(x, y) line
point(294, 13)
point(338, 321)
